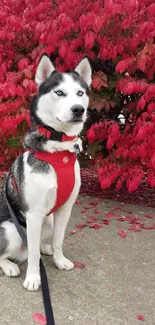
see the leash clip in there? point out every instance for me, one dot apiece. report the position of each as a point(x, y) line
point(76, 149)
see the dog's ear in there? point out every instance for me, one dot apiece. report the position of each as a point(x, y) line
point(44, 69)
point(84, 70)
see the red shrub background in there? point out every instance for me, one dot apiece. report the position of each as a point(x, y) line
point(119, 37)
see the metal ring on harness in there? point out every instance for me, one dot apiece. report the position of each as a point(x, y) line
point(44, 282)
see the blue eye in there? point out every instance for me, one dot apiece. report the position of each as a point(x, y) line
point(80, 93)
point(59, 93)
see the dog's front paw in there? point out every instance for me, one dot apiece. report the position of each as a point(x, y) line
point(63, 264)
point(32, 282)
point(46, 249)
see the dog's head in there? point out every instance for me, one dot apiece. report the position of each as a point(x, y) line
point(63, 98)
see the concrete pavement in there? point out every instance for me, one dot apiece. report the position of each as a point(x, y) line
point(116, 284)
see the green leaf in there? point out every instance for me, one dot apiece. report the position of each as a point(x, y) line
point(14, 142)
point(111, 84)
point(94, 148)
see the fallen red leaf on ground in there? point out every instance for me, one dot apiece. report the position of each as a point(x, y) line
point(149, 216)
point(39, 318)
point(97, 211)
point(121, 219)
point(135, 229)
point(122, 233)
point(95, 225)
point(84, 211)
point(81, 226)
point(149, 227)
point(106, 222)
point(94, 204)
point(79, 265)
point(93, 218)
point(73, 232)
point(111, 214)
point(78, 202)
point(140, 317)
point(116, 208)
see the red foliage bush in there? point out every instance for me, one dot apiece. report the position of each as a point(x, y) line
point(118, 35)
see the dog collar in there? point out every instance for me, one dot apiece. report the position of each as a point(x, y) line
point(54, 135)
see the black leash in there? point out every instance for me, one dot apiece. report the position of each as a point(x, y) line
point(44, 282)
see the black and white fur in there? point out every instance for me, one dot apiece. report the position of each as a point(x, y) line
point(61, 104)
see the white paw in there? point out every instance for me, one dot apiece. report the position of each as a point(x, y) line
point(10, 268)
point(32, 282)
point(63, 264)
point(46, 249)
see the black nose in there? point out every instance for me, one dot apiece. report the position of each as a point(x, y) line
point(77, 110)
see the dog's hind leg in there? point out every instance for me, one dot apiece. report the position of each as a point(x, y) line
point(10, 248)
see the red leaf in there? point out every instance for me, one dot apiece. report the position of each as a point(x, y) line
point(39, 318)
point(23, 63)
point(79, 265)
point(121, 219)
point(122, 233)
point(12, 89)
point(97, 23)
point(28, 73)
point(63, 49)
point(129, 88)
point(109, 143)
point(149, 216)
point(149, 227)
point(94, 204)
point(96, 83)
point(140, 317)
point(94, 225)
point(84, 211)
point(120, 67)
point(96, 211)
point(106, 222)
point(94, 218)
point(111, 214)
point(78, 202)
point(25, 83)
point(91, 136)
point(141, 61)
point(135, 229)
point(89, 39)
point(141, 103)
point(116, 208)
point(82, 226)
point(73, 232)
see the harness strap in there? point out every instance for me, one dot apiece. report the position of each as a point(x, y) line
point(44, 282)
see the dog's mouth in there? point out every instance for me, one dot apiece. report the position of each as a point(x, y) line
point(73, 120)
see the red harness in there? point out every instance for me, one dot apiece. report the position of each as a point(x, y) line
point(63, 163)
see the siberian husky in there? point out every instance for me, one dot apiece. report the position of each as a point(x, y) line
point(60, 109)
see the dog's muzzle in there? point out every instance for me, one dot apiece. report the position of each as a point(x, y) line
point(77, 111)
